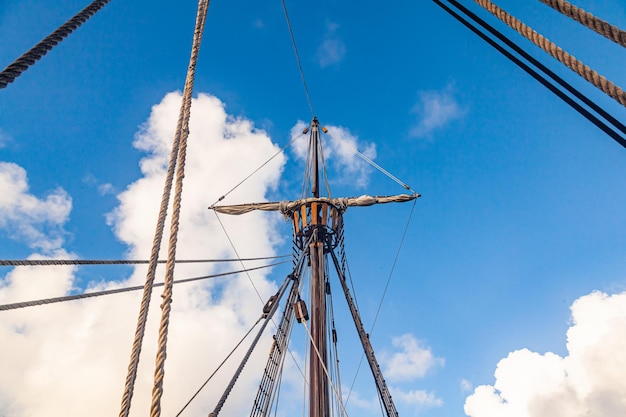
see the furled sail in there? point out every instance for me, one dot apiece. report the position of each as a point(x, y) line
point(288, 207)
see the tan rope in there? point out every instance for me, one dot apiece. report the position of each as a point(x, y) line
point(147, 292)
point(562, 56)
point(582, 16)
point(183, 132)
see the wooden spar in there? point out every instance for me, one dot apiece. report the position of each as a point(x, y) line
point(319, 404)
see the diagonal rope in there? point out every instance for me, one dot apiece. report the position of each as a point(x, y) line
point(393, 266)
point(530, 71)
point(319, 358)
point(14, 70)
point(383, 170)
point(378, 167)
point(232, 245)
point(587, 19)
point(530, 59)
point(15, 306)
point(268, 318)
point(599, 81)
point(193, 397)
point(298, 262)
point(295, 49)
point(258, 169)
point(69, 262)
point(154, 255)
point(382, 298)
point(183, 132)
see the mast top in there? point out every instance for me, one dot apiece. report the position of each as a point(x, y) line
point(313, 147)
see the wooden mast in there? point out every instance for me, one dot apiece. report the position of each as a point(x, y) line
point(317, 232)
point(319, 405)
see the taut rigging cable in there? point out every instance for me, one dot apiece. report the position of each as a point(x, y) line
point(219, 367)
point(576, 106)
point(258, 169)
point(295, 49)
point(619, 125)
point(317, 353)
point(24, 304)
point(382, 298)
point(589, 74)
point(273, 307)
point(14, 70)
point(70, 262)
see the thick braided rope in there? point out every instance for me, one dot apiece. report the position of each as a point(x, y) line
point(562, 56)
point(68, 262)
point(14, 70)
point(582, 16)
point(147, 292)
point(154, 256)
point(44, 301)
point(159, 373)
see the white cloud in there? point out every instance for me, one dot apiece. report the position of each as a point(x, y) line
point(70, 359)
point(106, 189)
point(412, 361)
point(416, 398)
point(413, 399)
point(332, 50)
point(465, 385)
point(103, 188)
point(434, 110)
point(340, 147)
point(25, 217)
point(355, 400)
point(5, 138)
point(588, 382)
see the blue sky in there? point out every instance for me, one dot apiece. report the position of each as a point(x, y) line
point(523, 200)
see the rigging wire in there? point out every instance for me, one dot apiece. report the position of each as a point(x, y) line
point(307, 346)
point(295, 49)
point(529, 58)
point(589, 74)
point(70, 262)
point(319, 358)
point(254, 286)
point(258, 169)
point(268, 318)
point(393, 266)
point(273, 308)
point(219, 366)
point(332, 335)
point(278, 389)
point(44, 301)
point(29, 58)
point(381, 169)
point(324, 173)
point(232, 245)
point(306, 178)
point(576, 106)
